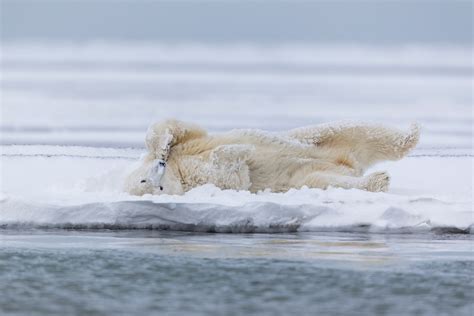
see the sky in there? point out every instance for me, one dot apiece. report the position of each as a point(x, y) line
point(387, 22)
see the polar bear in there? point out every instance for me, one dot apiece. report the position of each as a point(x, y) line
point(182, 156)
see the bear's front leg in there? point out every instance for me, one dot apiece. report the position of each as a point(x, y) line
point(161, 137)
point(229, 166)
point(230, 155)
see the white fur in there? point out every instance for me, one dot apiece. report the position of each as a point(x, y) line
point(320, 156)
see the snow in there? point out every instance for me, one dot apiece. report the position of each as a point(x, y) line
point(74, 118)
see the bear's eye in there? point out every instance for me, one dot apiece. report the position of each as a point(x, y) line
point(161, 188)
point(143, 181)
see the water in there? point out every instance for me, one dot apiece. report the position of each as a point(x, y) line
point(155, 273)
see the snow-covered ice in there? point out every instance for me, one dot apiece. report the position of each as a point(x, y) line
point(83, 189)
point(74, 118)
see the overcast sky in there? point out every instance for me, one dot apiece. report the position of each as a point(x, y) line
point(391, 22)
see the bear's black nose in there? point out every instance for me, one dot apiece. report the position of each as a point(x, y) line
point(143, 181)
point(162, 163)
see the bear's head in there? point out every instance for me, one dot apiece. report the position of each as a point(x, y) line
point(153, 176)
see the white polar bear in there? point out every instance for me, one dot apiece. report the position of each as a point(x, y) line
point(182, 156)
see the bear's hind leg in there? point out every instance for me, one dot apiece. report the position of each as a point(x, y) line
point(374, 182)
point(366, 143)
